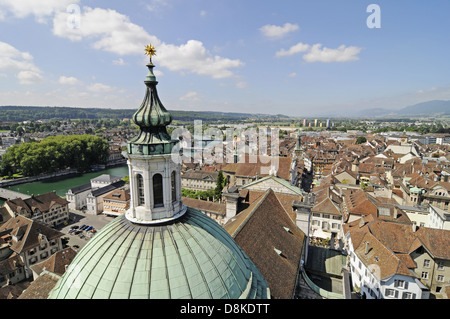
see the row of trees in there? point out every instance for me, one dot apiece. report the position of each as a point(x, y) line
point(53, 154)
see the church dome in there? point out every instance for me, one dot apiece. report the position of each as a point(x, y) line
point(189, 257)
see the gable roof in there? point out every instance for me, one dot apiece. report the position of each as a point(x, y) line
point(261, 167)
point(283, 186)
point(28, 233)
point(42, 202)
point(272, 240)
point(57, 262)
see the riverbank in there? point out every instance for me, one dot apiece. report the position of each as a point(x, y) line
point(43, 177)
point(61, 184)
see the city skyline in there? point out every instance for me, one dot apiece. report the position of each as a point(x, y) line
point(298, 58)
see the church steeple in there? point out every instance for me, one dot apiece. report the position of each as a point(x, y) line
point(152, 119)
point(155, 180)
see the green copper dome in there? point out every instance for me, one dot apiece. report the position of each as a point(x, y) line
point(190, 257)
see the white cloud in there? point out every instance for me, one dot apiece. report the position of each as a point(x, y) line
point(119, 61)
point(29, 77)
point(341, 54)
point(110, 30)
point(156, 5)
point(292, 75)
point(191, 96)
point(39, 9)
point(99, 88)
point(274, 31)
point(113, 32)
point(194, 57)
point(299, 47)
point(241, 85)
point(203, 13)
point(69, 80)
point(20, 63)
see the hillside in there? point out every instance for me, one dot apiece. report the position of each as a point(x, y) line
point(34, 113)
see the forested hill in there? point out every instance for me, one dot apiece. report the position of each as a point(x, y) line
point(34, 113)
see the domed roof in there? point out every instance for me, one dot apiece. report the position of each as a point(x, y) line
point(190, 257)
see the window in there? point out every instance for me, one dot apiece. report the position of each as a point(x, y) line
point(426, 263)
point(408, 295)
point(174, 190)
point(140, 188)
point(440, 266)
point(391, 293)
point(400, 284)
point(440, 278)
point(424, 275)
point(158, 190)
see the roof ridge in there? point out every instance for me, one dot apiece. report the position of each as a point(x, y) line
point(257, 203)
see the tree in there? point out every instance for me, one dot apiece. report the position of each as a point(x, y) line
point(361, 140)
point(219, 186)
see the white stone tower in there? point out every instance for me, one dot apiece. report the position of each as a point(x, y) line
point(155, 181)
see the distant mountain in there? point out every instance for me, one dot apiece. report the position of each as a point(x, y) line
point(427, 108)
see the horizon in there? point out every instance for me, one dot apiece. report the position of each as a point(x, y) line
point(297, 58)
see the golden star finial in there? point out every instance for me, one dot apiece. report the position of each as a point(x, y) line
point(150, 51)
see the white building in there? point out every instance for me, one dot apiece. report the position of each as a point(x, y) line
point(378, 273)
point(77, 196)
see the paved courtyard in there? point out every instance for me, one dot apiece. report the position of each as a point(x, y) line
point(80, 218)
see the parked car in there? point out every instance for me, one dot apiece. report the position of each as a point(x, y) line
point(89, 228)
point(75, 227)
point(83, 227)
point(78, 232)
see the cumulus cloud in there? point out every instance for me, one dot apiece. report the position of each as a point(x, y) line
point(299, 47)
point(20, 63)
point(110, 30)
point(41, 9)
point(119, 61)
point(317, 53)
point(191, 96)
point(193, 57)
point(99, 88)
point(69, 80)
point(274, 31)
point(29, 77)
point(113, 32)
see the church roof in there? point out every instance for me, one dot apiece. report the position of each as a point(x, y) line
point(190, 257)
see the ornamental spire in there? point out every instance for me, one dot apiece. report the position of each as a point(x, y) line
point(152, 117)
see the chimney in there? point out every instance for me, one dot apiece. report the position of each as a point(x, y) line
point(361, 221)
point(366, 249)
point(231, 204)
point(395, 213)
point(414, 228)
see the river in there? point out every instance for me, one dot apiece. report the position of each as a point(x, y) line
point(63, 184)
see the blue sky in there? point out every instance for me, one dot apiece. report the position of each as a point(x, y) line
point(298, 58)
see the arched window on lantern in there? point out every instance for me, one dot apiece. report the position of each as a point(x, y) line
point(140, 190)
point(173, 186)
point(158, 190)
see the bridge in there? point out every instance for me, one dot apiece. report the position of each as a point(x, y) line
point(7, 194)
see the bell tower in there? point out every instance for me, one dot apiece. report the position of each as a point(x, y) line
point(155, 181)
